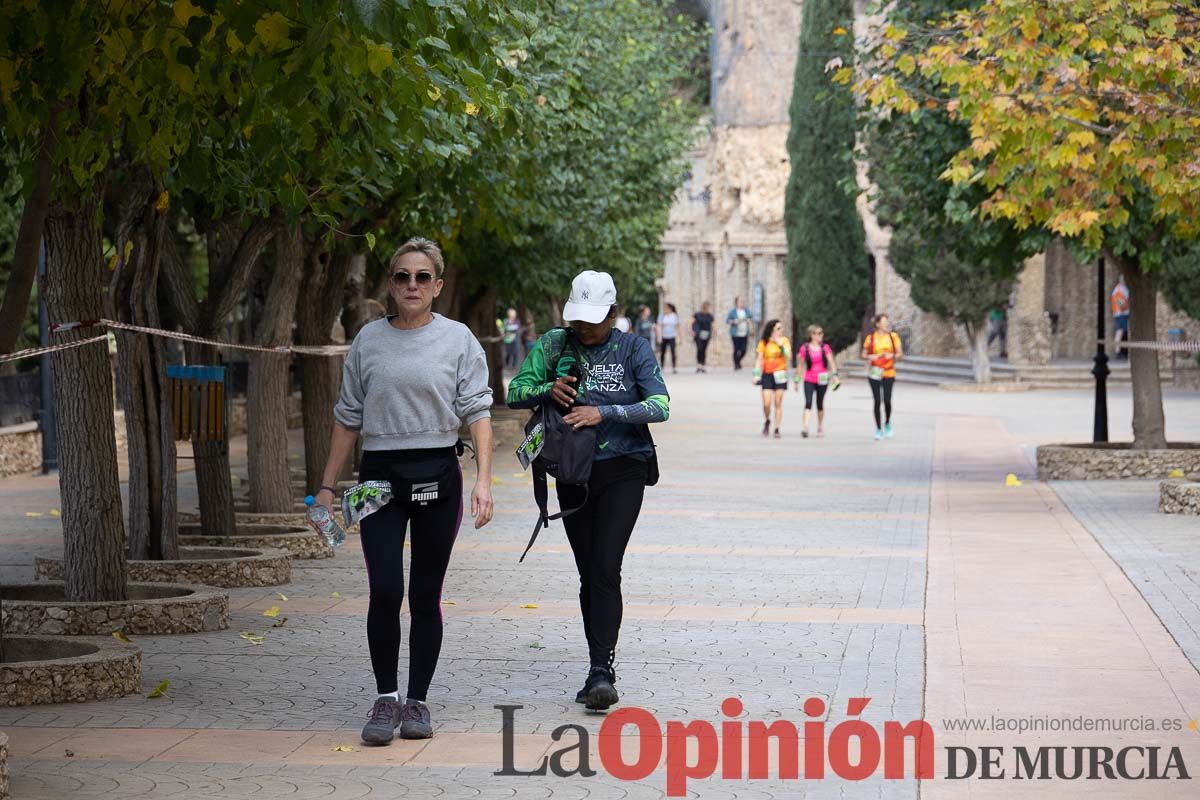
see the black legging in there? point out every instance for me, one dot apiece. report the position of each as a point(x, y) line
point(663, 346)
point(739, 351)
point(434, 528)
point(886, 385)
point(599, 533)
point(701, 351)
point(819, 390)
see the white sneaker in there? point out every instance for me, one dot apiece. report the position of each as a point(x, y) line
point(879, 434)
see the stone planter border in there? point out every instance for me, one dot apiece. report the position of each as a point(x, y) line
point(1113, 461)
point(79, 669)
point(187, 609)
point(297, 519)
point(227, 567)
point(1179, 497)
point(298, 541)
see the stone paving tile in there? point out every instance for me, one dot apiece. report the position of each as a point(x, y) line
point(40, 780)
point(1160, 553)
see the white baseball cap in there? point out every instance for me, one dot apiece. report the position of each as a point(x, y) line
point(593, 295)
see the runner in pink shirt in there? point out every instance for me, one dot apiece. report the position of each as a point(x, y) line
point(820, 371)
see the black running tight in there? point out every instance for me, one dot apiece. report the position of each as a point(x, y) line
point(599, 533)
point(882, 387)
point(819, 390)
point(663, 347)
point(434, 528)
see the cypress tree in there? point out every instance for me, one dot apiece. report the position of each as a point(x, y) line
point(828, 270)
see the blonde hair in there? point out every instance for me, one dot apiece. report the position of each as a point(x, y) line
point(814, 329)
point(425, 247)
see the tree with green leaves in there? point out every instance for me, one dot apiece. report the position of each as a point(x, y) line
point(959, 266)
point(827, 267)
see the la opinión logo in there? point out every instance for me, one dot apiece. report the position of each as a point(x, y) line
point(723, 751)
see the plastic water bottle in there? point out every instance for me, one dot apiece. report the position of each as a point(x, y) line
point(323, 522)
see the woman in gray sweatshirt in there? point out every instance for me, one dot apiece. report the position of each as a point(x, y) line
point(409, 382)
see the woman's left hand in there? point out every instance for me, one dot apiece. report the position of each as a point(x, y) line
point(481, 504)
point(583, 417)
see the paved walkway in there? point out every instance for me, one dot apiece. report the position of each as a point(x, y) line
point(774, 572)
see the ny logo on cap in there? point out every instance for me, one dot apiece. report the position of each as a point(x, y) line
point(585, 295)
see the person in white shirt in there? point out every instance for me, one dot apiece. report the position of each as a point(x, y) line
point(668, 329)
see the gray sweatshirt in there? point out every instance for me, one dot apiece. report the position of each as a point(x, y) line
point(411, 389)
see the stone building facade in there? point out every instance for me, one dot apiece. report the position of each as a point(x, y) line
point(726, 236)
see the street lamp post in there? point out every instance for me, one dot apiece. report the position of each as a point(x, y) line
point(1100, 370)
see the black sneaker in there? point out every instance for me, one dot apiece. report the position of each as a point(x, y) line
point(414, 721)
point(382, 721)
point(600, 692)
point(581, 695)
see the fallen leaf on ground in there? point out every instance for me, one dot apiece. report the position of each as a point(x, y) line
point(281, 595)
point(159, 691)
point(336, 594)
point(70, 753)
point(120, 637)
point(33, 513)
point(252, 638)
point(529, 605)
point(449, 602)
point(55, 513)
point(343, 748)
point(1011, 480)
point(273, 611)
point(538, 646)
point(1175, 473)
point(279, 623)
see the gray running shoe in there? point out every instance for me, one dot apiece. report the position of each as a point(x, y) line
point(382, 721)
point(414, 721)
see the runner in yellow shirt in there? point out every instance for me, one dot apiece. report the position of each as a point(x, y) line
point(881, 350)
point(771, 372)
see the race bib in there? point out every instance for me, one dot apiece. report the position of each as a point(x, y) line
point(823, 379)
point(531, 448)
point(875, 373)
point(780, 376)
point(703, 335)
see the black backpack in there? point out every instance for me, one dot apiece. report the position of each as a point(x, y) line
point(552, 447)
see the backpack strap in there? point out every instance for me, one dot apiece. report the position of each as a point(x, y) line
point(541, 494)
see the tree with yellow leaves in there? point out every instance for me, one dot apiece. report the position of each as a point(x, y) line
point(1084, 119)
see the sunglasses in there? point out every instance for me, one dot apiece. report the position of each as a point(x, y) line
point(402, 278)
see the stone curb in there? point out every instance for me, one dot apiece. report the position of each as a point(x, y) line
point(253, 567)
point(298, 545)
point(111, 669)
point(196, 609)
point(1179, 497)
point(1075, 462)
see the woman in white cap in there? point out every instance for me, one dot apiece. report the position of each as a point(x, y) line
point(621, 393)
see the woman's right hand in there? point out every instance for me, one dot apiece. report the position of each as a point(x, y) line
point(324, 498)
point(563, 392)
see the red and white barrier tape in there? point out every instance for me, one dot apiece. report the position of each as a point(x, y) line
point(1177, 347)
point(308, 350)
point(39, 351)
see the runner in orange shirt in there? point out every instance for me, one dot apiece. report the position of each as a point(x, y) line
point(881, 350)
point(771, 372)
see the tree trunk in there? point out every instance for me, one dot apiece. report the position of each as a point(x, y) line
point(25, 252)
point(93, 530)
point(481, 319)
point(321, 299)
point(231, 252)
point(1149, 427)
point(268, 391)
point(981, 363)
point(141, 367)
